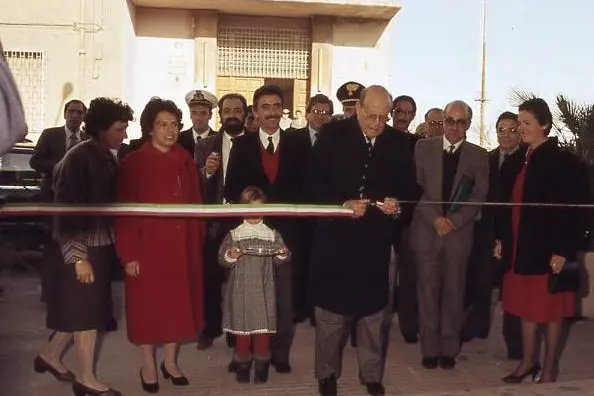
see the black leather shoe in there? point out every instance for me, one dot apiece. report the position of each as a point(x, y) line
point(281, 367)
point(41, 366)
point(81, 390)
point(242, 372)
point(232, 367)
point(376, 389)
point(328, 386)
point(430, 362)
point(411, 338)
point(149, 387)
point(447, 363)
point(111, 325)
point(176, 381)
point(261, 371)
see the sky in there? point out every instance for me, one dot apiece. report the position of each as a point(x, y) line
point(541, 46)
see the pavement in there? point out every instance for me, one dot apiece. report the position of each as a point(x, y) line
point(480, 365)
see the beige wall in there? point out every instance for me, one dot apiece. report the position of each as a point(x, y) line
point(53, 26)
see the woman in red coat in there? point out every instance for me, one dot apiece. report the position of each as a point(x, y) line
point(162, 256)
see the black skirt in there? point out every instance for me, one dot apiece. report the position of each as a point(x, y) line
point(75, 306)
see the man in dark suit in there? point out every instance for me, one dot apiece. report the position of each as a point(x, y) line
point(201, 104)
point(404, 110)
point(365, 165)
point(50, 149)
point(448, 169)
point(275, 161)
point(318, 112)
point(505, 162)
point(212, 158)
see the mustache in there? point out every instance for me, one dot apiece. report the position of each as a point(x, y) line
point(232, 120)
point(272, 117)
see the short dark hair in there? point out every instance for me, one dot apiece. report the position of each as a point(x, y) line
point(154, 107)
point(540, 110)
point(251, 194)
point(405, 98)
point(250, 109)
point(73, 101)
point(268, 89)
point(103, 113)
point(319, 99)
point(507, 115)
point(432, 110)
point(233, 96)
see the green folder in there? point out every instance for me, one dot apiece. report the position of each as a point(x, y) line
point(462, 193)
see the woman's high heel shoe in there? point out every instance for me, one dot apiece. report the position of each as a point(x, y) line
point(518, 378)
point(83, 390)
point(149, 387)
point(41, 366)
point(177, 381)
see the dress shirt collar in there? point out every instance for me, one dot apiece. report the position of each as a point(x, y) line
point(202, 135)
point(69, 132)
point(264, 138)
point(447, 144)
point(367, 139)
point(313, 134)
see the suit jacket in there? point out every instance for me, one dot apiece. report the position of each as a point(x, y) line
point(553, 175)
point(473, 163)
point(186, 140)
point(245, 169)
point(50, 149)
point(304, 133)
point(350, 258)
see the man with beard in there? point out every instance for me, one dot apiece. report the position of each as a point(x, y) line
point(274, 161)
point(212, 155)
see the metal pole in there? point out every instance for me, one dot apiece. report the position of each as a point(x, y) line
point(483, 99)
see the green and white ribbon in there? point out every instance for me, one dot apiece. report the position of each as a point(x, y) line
point(172, 210)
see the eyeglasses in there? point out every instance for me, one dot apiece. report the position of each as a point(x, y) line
point(321, 113)
point(380, 118)
point(507, 131)
point(460, 122)
point(404, 112)
point(436, 123)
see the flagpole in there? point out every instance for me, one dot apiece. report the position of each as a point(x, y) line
point(483, 99)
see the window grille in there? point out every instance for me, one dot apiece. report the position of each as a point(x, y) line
point(263, 52)
point(28, 69)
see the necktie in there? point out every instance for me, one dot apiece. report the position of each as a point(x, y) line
point(451, 149)
point(270, 147)
point(72, 141)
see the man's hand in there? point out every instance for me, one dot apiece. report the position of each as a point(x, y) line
point(133, 268)
point(359, 206)
point(497, 250)
point(557, 263)
point(443, 226)
point(84, 271)
point(390, 206)
point(213, 161)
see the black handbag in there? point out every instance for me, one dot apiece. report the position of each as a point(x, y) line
point(566, 281)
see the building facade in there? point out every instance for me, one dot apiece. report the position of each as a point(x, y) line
point(136, 49)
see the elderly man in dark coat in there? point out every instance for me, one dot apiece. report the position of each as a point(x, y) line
point(367, 166)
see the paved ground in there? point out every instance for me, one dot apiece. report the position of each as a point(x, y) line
point(481, 364)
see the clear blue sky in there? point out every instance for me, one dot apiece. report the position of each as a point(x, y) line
point(542, 46)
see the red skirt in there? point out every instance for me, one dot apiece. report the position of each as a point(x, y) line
point(528, 297)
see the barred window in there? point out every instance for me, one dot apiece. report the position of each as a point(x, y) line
point(263, 52)
point(28, 69)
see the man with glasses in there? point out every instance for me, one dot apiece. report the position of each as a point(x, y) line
point(363, 164)
point(449, 169)
point(434, 122)
point(505, 162)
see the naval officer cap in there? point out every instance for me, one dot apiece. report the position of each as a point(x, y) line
point(201, 97)
point(349, 93)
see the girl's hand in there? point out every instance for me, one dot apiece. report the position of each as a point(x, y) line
point(234, 253)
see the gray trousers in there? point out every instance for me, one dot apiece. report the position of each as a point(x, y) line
point(441, 289)
point(331, 336)
point(281, 341)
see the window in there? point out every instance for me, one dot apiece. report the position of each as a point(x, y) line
point(28, 69)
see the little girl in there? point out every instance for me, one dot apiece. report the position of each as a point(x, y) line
point(250, 251)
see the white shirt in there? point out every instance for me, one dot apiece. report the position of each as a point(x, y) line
point(372, 140)
point(226, 150)
point(312, 134)
point(447, 144)
point(68, 134)
point(264, 138)
point(202, 135)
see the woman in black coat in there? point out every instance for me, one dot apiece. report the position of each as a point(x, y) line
point(540, 239)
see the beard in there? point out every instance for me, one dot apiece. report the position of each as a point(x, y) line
point(233, 126)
